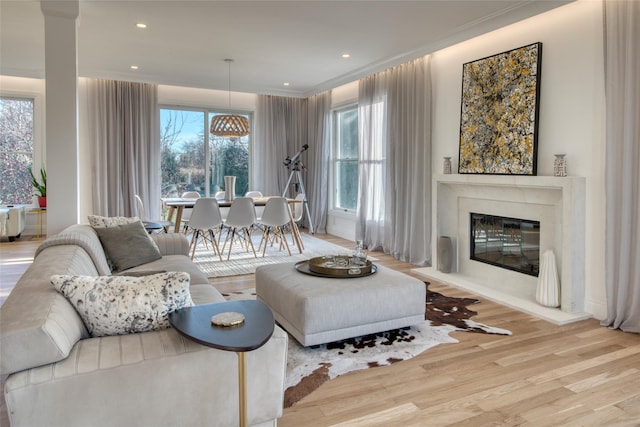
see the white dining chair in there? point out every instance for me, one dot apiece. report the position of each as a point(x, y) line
point(223, 210)
point(205, 222)
point(186, 213)
point(276, 216)
point(254, 195)
point(239, 222)
point(143, 215)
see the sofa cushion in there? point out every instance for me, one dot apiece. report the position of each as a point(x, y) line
point(128, 245)
point(154, 379)
point(173, 263)
point(118, 305)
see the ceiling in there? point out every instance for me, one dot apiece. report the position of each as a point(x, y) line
point(272, 42)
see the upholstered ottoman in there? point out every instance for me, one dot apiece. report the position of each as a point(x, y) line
point(318, 310)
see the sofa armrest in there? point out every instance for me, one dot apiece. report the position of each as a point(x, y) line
point(171, 243)
point(12, 220)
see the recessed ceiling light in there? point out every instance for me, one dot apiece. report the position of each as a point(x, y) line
point(285, 84)
point(346, 55)
point(134, 67)
point(141, 25)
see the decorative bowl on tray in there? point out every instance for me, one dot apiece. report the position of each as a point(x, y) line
point(338, 266)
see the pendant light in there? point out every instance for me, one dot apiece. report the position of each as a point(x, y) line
point(229, 125)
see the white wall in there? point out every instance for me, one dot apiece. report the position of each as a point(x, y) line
point(203, 98)
point(571, 112)
point(345, 94)
point(571, 109)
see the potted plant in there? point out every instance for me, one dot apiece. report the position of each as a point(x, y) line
point(40, 187)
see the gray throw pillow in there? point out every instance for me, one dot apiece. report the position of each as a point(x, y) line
point(128, 245)
point(140, 273)
point(97, 221)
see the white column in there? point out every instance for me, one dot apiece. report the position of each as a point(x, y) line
point(61, 107)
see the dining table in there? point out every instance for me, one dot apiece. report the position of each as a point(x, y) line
point(177, 205)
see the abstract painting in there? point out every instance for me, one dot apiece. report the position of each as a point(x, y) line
point(499, 113)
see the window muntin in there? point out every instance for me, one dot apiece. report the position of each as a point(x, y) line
point(16, 150)
point(345, 162)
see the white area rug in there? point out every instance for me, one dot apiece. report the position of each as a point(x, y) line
point(309, 367)
point(243, 262)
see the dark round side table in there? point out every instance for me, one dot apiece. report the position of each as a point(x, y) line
point(195, 324)
point(152, 227)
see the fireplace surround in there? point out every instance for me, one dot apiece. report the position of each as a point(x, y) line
point(557, 203)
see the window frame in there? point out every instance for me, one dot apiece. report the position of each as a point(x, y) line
point(335, 141)
point(207, 111)
point(39, 150)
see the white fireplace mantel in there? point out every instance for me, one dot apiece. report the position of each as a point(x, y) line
point(557, 202)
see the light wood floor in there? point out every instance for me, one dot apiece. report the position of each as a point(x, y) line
point(543, 375)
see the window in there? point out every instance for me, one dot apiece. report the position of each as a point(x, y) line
point(194, 160)
point(16, 150)
point(345, 159)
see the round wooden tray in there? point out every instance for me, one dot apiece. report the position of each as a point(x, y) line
point(340, 273)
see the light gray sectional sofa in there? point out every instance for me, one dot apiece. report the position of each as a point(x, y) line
point(13, 219)
point(60, 376)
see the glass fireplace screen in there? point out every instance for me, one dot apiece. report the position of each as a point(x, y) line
point(509, 243)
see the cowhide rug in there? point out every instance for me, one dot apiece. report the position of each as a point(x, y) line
point(310, 367)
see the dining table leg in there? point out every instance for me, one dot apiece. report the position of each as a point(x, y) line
point(179, 210)
point(172, 209)
point(294, 231)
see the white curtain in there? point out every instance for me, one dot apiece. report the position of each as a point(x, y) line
point(123, 122)
point(280, 131)
point(394, 207)
point(372, 152)
point(319, 140)
point(622, 90)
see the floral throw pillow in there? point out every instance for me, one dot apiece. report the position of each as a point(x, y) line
point(120, 305)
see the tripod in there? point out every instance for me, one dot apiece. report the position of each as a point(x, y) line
point(295, 172)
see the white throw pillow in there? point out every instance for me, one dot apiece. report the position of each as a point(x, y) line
point(119, 305)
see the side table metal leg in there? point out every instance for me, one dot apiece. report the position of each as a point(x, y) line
point(39, 214)
point(242, 388)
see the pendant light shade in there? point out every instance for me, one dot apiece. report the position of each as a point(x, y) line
point(229, 125)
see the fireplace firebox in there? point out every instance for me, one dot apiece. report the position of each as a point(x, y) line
point(509, 243)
